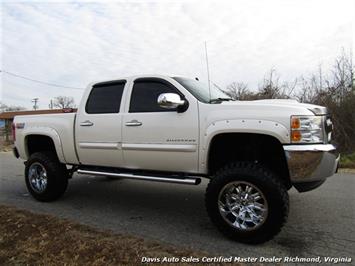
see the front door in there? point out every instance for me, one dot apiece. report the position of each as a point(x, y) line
point(155, 138)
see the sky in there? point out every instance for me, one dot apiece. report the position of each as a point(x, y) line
point(76, 43)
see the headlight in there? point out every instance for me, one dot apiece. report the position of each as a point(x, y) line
point(306, 129)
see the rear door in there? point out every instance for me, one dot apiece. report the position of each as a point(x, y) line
point(98, 125)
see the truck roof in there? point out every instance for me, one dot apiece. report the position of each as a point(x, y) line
point(137, 76)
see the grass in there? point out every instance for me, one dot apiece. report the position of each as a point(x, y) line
point(35, 239)
point(347, 160)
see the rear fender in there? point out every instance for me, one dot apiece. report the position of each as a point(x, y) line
point(44, 131)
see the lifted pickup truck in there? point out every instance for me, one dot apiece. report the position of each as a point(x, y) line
point(174, 129)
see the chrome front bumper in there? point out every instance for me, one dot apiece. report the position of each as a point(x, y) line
point(311, 163)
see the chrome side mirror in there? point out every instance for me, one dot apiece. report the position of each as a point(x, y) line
point(170, 100)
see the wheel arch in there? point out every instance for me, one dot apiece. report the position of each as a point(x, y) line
point(43, 140)
point(263, 149)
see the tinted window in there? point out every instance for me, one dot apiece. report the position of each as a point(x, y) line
point(145, 94)
point(105, 98)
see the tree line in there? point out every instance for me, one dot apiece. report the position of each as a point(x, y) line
point(334, 89)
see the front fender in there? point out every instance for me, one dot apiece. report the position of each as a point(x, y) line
point(253, 126)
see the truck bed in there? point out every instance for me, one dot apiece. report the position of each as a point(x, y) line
point(60, 127)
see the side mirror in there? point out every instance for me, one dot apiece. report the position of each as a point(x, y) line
point(170, 101)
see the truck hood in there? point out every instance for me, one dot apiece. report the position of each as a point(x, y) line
point(276, 110)
point(316, 109)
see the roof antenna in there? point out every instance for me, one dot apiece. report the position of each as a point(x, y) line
point(208, 71)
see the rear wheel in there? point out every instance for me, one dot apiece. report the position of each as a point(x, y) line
point(247, 202)
point(46, 178)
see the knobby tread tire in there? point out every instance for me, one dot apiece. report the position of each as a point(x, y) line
point(57, 176)
point(273, 189)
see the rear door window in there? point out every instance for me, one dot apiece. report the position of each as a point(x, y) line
point(105, 98)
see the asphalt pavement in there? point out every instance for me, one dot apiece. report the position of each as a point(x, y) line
point(321, 222)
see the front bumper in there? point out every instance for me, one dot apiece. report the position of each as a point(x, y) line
point(311, 164)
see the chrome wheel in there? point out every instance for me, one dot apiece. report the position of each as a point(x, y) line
point(37, 177)
point(242, 205)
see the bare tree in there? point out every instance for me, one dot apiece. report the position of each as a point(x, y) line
point(271, 88)
point(2, 107)
point(238, 91)
point(288, 88)
point(306, 93)
point(339, 97)
point(336, 91)
point(9, 108)
point(64, 102)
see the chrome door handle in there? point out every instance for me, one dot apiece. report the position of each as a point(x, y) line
point(86, 123)
point(133, 123)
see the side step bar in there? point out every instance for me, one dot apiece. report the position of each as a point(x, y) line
point(186, 180)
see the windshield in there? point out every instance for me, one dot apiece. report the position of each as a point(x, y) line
point(201, 92)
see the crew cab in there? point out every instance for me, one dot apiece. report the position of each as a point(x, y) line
point(176, 129)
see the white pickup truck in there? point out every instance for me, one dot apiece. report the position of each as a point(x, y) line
point(174, 129)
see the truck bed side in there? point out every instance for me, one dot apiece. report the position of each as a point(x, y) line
point(59, 127)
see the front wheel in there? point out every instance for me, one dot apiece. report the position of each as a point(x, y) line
point(247, 202)
point(46, 178)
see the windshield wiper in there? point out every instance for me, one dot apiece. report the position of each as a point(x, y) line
point(218, 100)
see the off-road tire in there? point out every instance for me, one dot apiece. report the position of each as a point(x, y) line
point(268, 183)
point(57, 176)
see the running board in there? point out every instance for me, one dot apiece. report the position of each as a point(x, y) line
point(186, 180)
